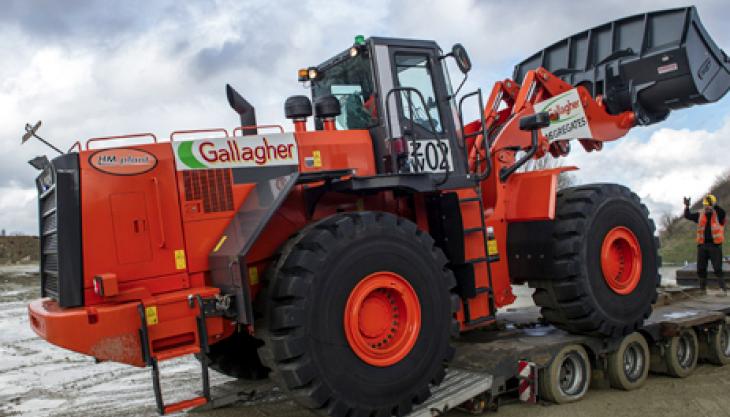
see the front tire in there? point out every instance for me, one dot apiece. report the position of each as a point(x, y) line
point(360, 315)
point(605, 269)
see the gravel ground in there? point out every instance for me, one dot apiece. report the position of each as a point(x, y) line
point(38, 379)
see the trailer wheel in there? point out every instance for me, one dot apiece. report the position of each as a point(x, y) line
point(568, 376)
point(716, 345)
point(605, 268)
point(681, 354)
point(628, 366)
point(360, 315)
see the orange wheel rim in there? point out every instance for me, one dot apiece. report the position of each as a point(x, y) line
point(621, 260)
point(382, 318)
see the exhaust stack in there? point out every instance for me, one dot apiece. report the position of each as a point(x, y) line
point(245, 110)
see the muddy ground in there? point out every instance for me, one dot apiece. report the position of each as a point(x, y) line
point(37, 379)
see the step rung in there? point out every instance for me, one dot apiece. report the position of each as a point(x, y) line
point(469, 199)
point(185, 404)
point(483, 290)
point(473, 230)
point(477, 260)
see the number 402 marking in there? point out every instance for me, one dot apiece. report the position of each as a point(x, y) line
point(431, 156)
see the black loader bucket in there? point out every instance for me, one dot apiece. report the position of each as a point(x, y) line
point(649, 63)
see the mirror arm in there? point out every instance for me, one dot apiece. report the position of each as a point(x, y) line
point(459, 87)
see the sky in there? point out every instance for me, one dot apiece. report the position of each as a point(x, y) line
point(97, 68)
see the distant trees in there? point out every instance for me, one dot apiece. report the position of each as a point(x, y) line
point(2, 233)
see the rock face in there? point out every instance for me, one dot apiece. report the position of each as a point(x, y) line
point(18, 249)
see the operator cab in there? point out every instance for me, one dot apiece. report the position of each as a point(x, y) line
point(400, 91)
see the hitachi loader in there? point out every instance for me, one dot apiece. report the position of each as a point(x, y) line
point(343, 262)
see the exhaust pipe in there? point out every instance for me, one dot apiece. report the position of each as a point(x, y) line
point(245, 110)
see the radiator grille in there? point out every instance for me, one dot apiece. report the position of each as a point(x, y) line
point(211, 186)
point(60, 231)
point(49, 242)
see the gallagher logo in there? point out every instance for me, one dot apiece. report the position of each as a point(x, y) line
point(240, 152)
point(563, 111)
point(123, 161)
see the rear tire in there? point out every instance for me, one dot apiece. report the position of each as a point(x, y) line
point(314, 343)
point(628, 366)
point(580, 298)
point(568, 376)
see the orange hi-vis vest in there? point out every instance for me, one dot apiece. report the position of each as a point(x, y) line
point(718, 230)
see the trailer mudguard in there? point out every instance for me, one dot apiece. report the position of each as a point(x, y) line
point(649, 63)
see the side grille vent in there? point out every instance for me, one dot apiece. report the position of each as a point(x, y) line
point(212, 186)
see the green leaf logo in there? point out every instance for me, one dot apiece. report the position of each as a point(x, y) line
point(185, 153)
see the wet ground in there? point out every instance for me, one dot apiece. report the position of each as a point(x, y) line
point(37, 379)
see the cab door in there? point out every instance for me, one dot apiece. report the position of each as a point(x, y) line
point(425, 112)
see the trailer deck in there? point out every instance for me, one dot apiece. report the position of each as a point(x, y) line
point(486, 365)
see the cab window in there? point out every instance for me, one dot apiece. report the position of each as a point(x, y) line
point(351, 82)
point(414, 71)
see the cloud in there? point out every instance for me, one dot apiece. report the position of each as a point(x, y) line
point(91, 68)
point(671, 164)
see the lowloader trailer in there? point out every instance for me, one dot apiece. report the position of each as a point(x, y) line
point(343, 262)
point(525, 359)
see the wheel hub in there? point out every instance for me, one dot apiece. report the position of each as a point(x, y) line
point(382, 318)
point(685, 351)
point(621, 260)
point(571, 375)
point(633, 362)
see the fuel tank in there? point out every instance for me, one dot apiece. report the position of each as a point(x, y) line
point(649, 63)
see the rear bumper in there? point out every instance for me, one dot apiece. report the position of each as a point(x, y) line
point(109, 333)
point(112, 332)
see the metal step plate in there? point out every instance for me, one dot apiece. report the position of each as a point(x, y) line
point(458, 387)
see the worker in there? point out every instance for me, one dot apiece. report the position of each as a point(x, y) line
point(710, 235)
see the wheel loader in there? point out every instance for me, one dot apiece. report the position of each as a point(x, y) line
point(342, 261)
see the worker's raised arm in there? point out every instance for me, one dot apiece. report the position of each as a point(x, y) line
point(695, 217)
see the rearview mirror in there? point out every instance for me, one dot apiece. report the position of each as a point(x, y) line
point(461, 57)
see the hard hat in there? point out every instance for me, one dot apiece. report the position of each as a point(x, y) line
point(710, 200)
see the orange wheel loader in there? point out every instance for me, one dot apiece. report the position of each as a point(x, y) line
point(342, 261)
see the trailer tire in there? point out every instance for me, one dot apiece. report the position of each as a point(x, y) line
point(568, 376)
point(309, 343)
point(715, 345)
point(605, 262)
point(680, 355)
point(628, 366)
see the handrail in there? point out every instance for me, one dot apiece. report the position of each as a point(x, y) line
point(242, 128)
point(190, 132)
point(507, 171)
point(76, 144)
point(411, 90)
point(481, 176)
point(134, 135)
